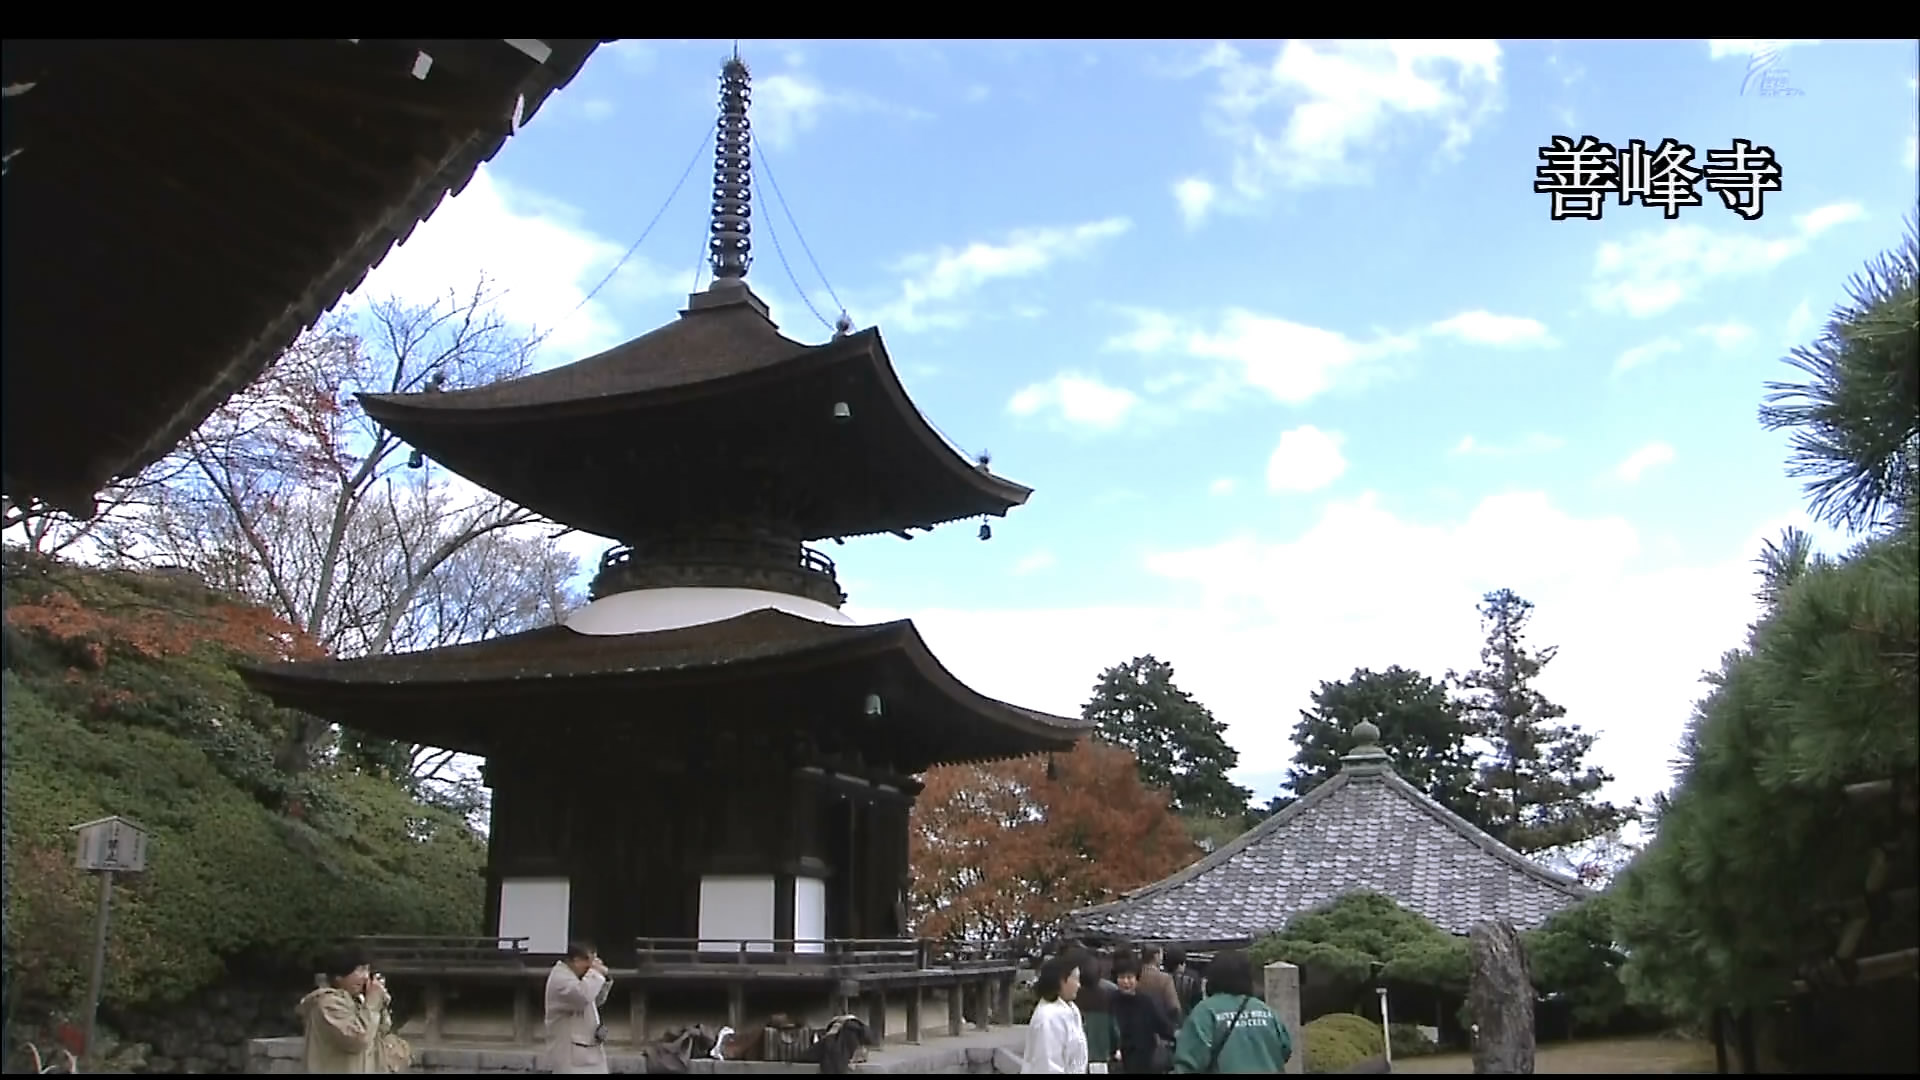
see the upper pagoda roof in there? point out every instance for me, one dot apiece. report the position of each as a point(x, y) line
point(1367, 828)
point(479, 697)
point(715, 415)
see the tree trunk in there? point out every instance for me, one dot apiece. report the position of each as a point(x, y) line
point(1500, 1000)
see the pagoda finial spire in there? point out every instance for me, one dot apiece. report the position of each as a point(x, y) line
point(730, 248)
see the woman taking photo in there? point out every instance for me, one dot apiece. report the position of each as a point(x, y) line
point(1056, 1043)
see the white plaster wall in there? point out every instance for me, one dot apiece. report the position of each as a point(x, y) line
point(809, 914)
point(536, 909)
point(647, 610)
point(736, 906)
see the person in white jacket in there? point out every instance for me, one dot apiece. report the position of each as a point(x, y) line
point(1056, 1039)
point(576, 988)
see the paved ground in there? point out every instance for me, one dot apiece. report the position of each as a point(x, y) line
point(1639, 1055)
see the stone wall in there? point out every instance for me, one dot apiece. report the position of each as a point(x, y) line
point(207, 1033)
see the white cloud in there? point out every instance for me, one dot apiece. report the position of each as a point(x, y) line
point(1034, 562)
point(787, 104)
point(1253, 634)
point(1533, 443)
point(1194, 197)
point(1657, 269)
point(1289, 361)
point(1635, 465)
point(1727, 335)
point(937, 281)
point(539, 259)
point(1800, 324)
point(1318, 112)
point(1722, 48)
point(1486, 328)
point(1080, 400)
point(1307, 459)
point(1223, 485)
point(1723, 336)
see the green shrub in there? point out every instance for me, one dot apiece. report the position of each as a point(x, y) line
point(1339, 1040)
point(244, 862)
point(1410, 1041)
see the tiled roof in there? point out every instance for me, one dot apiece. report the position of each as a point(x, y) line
point(1364, 829)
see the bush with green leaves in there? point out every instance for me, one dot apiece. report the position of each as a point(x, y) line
point(1340, 1040)
point(122, 702)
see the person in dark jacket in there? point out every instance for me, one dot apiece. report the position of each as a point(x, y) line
point(1096, 1004)
point(1186, 981)
point(1146, 1031)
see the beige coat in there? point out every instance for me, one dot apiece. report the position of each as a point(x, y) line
point(342, 1031)
point(573, 1012)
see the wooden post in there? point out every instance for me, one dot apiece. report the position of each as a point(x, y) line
point(983, 1002)
point(737, 1006)
point(877, 1014)
point(1006, 999)
point(637, 1016)
point(916, 999)
point(956, 1008)
point(436, 1005)
point(522, 1012)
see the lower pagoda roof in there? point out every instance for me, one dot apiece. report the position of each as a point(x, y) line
point(766, 668)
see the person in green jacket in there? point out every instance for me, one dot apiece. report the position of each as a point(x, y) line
point(1230, 1030)
point(1096, 1010)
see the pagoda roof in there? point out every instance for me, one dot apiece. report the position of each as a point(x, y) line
point(479, 691)
point(692, 419)
point(1366, 828)
point(180, 210)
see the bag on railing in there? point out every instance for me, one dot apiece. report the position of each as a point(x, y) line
point(787, 1041)
point(673, 1054)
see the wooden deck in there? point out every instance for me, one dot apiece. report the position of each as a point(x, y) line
point(847, 973)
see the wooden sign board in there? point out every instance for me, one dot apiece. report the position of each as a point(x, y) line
point(112, 844)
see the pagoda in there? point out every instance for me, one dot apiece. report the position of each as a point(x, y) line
point(710, 750)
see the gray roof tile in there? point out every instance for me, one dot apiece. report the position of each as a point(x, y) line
point(1364, 829)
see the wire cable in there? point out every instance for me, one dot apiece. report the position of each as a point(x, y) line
point(774, 183)
point(774, 235)
point(698, 154)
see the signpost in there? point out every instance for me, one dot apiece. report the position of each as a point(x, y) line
point(109, 846)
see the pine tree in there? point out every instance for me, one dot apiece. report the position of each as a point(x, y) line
point(1538, 792)
point(1179, 745)
point(1422, 729)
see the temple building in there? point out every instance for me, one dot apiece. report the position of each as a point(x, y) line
point(711, 750)
point(1367, 828)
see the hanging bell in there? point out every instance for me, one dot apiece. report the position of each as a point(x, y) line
point(416, 459)
point(986, 531)
point(1053, 768)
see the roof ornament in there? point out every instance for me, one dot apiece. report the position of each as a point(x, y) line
point(730, 247)
point(1366, 756)
point(843, 325)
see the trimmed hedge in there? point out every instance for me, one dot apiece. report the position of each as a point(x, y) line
point(1341, 1040)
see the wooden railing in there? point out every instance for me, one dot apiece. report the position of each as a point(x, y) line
point(839, 954)
point(399, 952)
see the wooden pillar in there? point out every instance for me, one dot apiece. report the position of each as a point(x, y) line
point(877, 1014)
point(637, 1016)
point(916, 1000)
point(956, 1008)
point(983, 1001)
point(436, 1007)
point(522, 1012)
point(1003, 1000)
point(737, 1006)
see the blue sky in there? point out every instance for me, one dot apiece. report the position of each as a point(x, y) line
point(1290, 349)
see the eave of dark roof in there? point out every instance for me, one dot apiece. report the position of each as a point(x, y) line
point(123, 331)
point(746, 646)
point(1257, 883)
point(727, 361)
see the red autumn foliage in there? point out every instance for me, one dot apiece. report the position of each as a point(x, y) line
point(93, 634)
point(1000, 852)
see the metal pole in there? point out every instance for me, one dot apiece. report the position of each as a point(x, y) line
point(98, 978)
point(1386, 1026)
